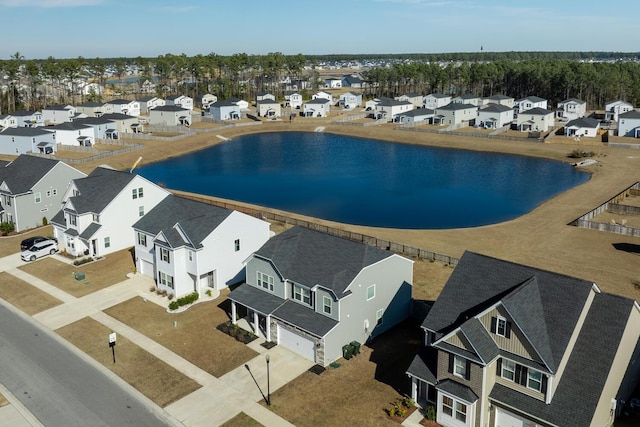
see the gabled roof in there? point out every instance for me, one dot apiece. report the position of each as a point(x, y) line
point(195, 219)
point(495, 108)
point(318, 101)
point(70, 126)
point(468, 96)
point(439, 95)
point(499, 97)
point(22, 113)
point(585, 122)
point(169, 108)
point(312, 258)
point(98, 189)
point(120, 116)
point(417, 112)
point(224, 103)
point(410, 95)
point(577, 394)
point(532, 99)
point(146, 98)
point(91, 104)
point(119, 102)
point(352, 79)
point(479, 282)
point(387, 102)
point(58, 107)
point(537, 112)
point(572, 100)
point(633, 114)
point(174, 97)
point(25, 171)
point(267, 101)
point(94, 121)
point(37, 131)
point(456, 106)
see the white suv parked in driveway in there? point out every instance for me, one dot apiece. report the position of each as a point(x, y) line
point(40, 249)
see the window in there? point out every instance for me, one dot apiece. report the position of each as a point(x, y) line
point(459, 366)
point(237, 245)
point(379, 315)
point(165, 279)
point(140, 210)
point(140, 193)
point(107, 242)
point(265, 281)
point(371, 292)
point(461, 412)
point(142, 239)
point(508, 370)
point(96, 218)
point(301, 294)
point(134, 193)
point(73, 219)
point(501, 326)
point(534, 380)
point(447, 405)
point(38, 197)
point(164, 255)
point(190, 255)
point(326, 305)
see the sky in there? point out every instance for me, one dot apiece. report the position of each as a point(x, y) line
point(149, 28)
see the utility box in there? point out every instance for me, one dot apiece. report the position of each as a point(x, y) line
point(79, 276)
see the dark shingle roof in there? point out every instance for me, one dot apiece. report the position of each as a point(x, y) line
point(537, 112)
point(495, 108)
point(304, 318)
point(499, 97)
point(456, 106)
point(91, 121)
point(309, 257)
point(25, 131)
point(70, 126)
point(90, 231)
point(98, 189)
point(59, 219)
point(319, 101)
point(457, 389)
point(424, 365)
point(482, 343)
point(224, 103)
point(584, 377)
point(479, 282)
point(417, 112)
point(577, 101)
point(259, 300)
point(585, 122)
point(196, 219)
point(119, 102)
point(386, 102)
point(22, 113)
point(25, 172)
point(532, 99)
point(633, 114)
point(120, 116)
point(91, 104)
point(439, 95)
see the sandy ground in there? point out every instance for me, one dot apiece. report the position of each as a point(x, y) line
point(541, 238)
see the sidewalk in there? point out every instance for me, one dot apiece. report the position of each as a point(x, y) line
point(219, 399)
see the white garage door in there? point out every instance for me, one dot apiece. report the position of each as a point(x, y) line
point(507, 419)
point(147, 268)
point(297, 343)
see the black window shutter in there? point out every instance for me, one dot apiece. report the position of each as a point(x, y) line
point(499, 367)
point(467, 371)
point(494, 321)
point(450, 363)
point(507, 333)
point(544, 383)
point(523, 376)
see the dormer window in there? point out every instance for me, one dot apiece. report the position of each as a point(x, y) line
point(301, 294)
point(501, 326)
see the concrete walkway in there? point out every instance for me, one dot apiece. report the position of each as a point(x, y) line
point(217, 401)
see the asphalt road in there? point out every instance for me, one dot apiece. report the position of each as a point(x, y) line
point(57, 386)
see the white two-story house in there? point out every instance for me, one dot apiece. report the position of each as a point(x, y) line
point(98, 211)
point(535, 120)
point(390, 109)
point(189, 246)
point(614, 108)
point(436, 100)
point(528, 103)
point(571, 109)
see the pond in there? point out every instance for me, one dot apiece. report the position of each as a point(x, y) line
point(368, 182)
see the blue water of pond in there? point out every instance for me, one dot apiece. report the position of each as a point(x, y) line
point(368, 182)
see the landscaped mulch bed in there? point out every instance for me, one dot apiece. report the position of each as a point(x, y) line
point(234, 331)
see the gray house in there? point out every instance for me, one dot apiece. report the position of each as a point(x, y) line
point(170, 115)
point(25, 140)
point(31, 188)
point(512, 345)
point(313, 293)
point(28, 118)
point(224, 110)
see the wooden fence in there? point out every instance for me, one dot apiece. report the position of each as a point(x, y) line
point(399, 248)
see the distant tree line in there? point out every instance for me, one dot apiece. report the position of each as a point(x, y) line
point(555, 80)
point(36, 83)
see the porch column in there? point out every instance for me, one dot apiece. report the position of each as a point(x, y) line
point(233, 312)
point(414, 389)
point(268, 330)
point(256, 325)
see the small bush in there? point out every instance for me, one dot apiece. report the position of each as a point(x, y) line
point(45, 221)
point(170, 296)
point(187, 299)
point(408, 402)
point(208, 292)
point(7, 227)
point(152, 289)
point(82, 261)
point(430, 412)
point(578, 154)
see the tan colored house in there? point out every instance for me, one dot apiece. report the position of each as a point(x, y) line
point(535, 120)
point(512, 345)
point(455, 113)
point(268, 108)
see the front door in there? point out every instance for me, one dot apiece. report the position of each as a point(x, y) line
point(94, 247)
point(211, 279)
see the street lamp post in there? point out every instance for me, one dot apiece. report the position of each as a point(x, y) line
point(268, 386)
